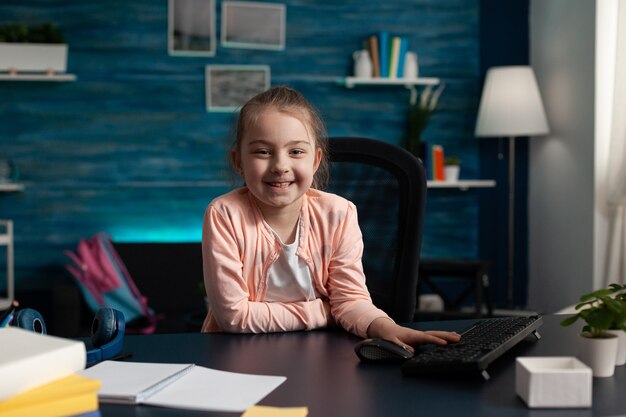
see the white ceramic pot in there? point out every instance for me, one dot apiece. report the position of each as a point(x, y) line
point(410, 69)
point(620, 357)
point(362, 64)
point(33, 57)
point(598, 353)
point(451, 173)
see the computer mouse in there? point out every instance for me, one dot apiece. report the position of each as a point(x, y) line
point(381, 350)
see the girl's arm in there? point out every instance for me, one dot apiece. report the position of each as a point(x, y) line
point(228, 290)
point(350, 301)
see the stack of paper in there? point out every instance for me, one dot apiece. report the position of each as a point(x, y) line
point(39, 376)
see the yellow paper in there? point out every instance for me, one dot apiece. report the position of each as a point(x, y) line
point(263, 411)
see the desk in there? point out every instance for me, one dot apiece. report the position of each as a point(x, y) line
point(324, 374)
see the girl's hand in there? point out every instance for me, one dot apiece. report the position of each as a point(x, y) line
point(384, 328)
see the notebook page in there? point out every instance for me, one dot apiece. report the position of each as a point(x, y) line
point(212, 390)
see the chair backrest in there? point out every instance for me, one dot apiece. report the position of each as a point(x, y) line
point(388, 186)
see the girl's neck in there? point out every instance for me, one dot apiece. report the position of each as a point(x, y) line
point(282, 221)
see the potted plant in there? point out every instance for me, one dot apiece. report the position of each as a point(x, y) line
point(601, 310)
point(36, 48)
point(421, 107)
point(452, 168)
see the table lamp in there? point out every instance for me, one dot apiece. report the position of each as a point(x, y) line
point(511, 106)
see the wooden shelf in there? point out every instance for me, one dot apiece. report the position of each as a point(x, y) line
point(11, 186)
point(350, 82)
point(462, 184)
point(37, 77)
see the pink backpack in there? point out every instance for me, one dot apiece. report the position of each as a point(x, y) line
point(104, 281)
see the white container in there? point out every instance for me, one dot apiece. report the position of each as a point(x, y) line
point(451, 173)
point(598, 353)
point(553, 382)
point(620, 357)
point(362, 64)
point(33, 57)
point(411, 68)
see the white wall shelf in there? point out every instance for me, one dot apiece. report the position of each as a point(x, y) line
point(350, 82)
point(462, 184)
point(11, 186)
point(37, 77)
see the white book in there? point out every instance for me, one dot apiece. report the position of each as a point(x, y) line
point(29, 359)
point(175, 385)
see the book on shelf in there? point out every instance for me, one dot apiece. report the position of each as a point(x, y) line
point(68, 396)
point(178, 385)
point(437, 163)
point(404, 47)
point(30, 359)
point(374, 55)
point(383, 48)
point(394, 58)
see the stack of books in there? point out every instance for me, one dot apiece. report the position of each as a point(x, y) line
point(39, 376)
point(388, 53)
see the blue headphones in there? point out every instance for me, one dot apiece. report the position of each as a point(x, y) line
point(107, 331)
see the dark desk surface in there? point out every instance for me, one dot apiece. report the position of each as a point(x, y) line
point(324, 374)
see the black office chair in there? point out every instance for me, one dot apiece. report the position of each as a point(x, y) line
point(388, 186)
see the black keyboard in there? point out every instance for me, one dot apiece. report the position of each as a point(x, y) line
point(480, 345)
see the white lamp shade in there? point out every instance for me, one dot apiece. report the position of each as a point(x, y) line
point(511, 104)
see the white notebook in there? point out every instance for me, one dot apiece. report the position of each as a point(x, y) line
point(180, 386)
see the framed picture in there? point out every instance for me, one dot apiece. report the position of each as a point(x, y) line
point(228, 87)
point(253, 25)
point(191, 28)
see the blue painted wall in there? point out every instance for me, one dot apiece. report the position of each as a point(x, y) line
point(129, 148)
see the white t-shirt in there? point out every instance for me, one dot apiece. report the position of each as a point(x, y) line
point(289, 277)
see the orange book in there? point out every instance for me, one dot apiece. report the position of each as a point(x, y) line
point(437, 163)
point(374, 54)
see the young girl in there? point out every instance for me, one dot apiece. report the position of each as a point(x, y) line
point(279, 254)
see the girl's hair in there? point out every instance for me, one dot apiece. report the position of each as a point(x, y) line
point(289, 101)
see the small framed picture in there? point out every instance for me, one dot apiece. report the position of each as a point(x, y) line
point(253, 25)
point(228, 87)
point(191, 28)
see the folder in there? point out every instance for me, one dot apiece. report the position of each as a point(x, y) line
point(30, 359)
point(68, 396)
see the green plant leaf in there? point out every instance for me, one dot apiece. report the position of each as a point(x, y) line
point(569, 321)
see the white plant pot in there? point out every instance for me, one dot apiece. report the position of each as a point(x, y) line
point(598, 353)
point(451, 172)
point(620, 357)
point(33, 57)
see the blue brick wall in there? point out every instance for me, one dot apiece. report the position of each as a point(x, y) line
point(129, 148)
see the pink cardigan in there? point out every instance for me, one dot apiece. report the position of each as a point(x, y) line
point(238, 250)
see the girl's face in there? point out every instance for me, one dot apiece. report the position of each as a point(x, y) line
point(277, 159)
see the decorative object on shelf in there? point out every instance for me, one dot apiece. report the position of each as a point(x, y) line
point(253, 25)
point(32, 49)
point(362, 64)
point(8, 171)
point(411, 68)
point(421, 107)
point(511, 106)
point(191, 28)
point(452, 168)
point(601, 310)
